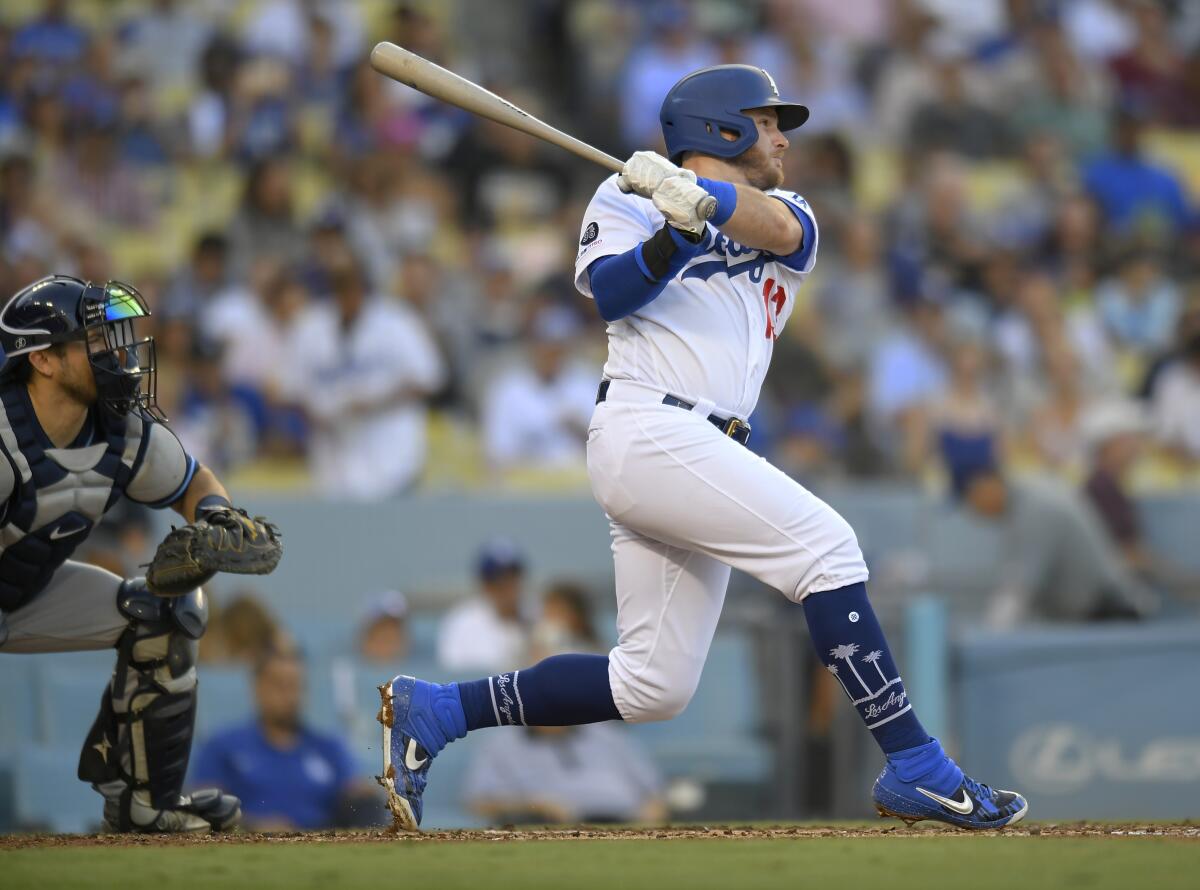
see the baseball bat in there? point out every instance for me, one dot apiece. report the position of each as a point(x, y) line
point(433, 80)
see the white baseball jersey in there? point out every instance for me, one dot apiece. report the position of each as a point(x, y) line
point(709, 335)
point(685, 503)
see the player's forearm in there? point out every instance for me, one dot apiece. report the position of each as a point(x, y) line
point(753, 218)
point(203, 484)
point(624, 283)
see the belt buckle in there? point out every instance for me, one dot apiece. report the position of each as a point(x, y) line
point(734, 427)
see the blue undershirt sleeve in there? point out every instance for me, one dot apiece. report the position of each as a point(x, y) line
point(623, 283)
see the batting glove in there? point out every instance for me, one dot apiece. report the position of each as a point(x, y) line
point(679, 199)
point(645, 171)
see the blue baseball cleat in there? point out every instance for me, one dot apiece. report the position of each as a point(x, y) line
point(419, 719)
point(924, 783)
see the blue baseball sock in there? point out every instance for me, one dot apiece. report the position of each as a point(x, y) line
point(850, 643)
point(564, 690)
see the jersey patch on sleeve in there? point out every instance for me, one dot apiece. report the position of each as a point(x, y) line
point(590, 234)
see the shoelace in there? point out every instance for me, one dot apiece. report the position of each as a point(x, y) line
point(979, 789)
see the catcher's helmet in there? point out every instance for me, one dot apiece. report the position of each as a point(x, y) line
point(701, 104)
point(59, 309)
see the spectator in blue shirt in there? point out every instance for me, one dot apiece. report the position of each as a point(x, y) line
point(1132, 190)
point(52, 38)
point(287, 775)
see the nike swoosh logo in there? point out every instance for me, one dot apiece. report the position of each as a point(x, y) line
point(410, 756)
point(964, 807)
point(59, 533)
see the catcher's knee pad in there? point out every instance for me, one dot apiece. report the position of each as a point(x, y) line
point(137, 751)
point(188, 613)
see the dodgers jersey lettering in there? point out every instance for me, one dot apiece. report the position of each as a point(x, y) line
point(710, 333)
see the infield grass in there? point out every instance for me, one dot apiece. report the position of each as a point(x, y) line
point(890, 862)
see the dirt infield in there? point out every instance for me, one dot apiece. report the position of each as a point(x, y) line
point(1182, 831)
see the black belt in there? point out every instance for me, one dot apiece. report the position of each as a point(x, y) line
point(738, 430)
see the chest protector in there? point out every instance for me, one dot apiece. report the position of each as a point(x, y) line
point(59, 494)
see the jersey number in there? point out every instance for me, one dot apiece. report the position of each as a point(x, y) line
point(775, 299)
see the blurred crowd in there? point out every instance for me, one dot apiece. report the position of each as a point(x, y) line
point(363, 291)
point(355, 280)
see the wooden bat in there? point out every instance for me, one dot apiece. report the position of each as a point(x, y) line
point(433, 80)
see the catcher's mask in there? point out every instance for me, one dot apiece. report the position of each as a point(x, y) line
point(61, 309)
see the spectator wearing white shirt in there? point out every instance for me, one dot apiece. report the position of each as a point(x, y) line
point(166, 23)
point(1139, 305)
point(283, 28)
point(236, 317)
point(487, 632)
point(1175, 397)
point(537, 412)
point(362, 367)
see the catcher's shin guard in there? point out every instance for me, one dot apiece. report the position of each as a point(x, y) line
point(137, 751)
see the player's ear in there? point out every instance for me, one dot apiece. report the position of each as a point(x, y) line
point(46, 361)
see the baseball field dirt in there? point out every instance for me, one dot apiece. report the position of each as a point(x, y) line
point(1083, 855)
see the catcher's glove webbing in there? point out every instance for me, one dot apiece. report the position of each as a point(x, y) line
point(225, 540)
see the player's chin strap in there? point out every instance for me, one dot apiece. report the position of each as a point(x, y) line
point(137, 751)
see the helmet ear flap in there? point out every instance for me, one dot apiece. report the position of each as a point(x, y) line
point(37, 316)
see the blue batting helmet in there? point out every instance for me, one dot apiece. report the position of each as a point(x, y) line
point(711, 99)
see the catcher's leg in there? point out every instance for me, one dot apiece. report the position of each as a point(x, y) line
point(136, 753)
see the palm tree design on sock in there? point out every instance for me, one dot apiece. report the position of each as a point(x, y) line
point(873, 658)
point(845, 652)
point(832, 668)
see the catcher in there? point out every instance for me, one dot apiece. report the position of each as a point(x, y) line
point(79, 427)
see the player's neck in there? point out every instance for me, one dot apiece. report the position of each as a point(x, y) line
point(715, 168)
point(60, 416)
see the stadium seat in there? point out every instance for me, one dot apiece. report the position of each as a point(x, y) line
point(18, 702)
point(7, 795)
point(223, 698)
point(48, 796)
point(320, 638)
point(716, 738)
point(885, 517)
point(68, 701)
point(423, 634)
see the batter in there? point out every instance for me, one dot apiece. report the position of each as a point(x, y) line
point(694, 306)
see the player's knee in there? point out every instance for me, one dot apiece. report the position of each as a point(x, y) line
point(671, 703)
point(840, 561)
point(844, 557)
point(651, 705)
point(648, 695)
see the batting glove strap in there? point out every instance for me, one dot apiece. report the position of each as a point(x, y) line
point(666, 252)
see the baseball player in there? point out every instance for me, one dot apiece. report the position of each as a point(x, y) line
point(693, 307)
point(79, 428)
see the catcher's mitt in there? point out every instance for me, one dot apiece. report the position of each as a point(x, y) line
point(223, 541)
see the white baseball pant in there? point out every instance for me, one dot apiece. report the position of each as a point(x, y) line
point(685, 504)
